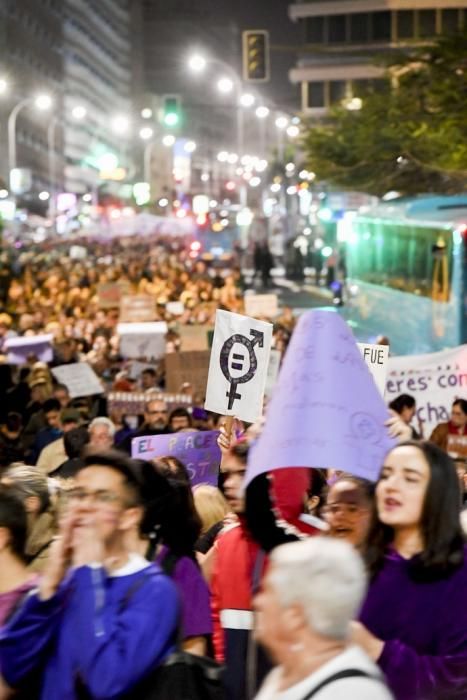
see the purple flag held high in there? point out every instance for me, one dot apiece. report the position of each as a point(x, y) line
point(198, 450)
point(326, 410)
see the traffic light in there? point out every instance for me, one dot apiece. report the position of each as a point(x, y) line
point(256, 56)
point(171, 110)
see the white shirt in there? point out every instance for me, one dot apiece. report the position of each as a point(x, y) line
point(346, 689)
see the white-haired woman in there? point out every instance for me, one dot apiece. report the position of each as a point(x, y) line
point(312, 590)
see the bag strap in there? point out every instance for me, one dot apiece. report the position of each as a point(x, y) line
point(340, 675)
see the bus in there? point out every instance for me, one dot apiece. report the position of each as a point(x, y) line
point(406, 265)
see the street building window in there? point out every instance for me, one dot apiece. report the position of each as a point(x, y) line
point(337, 91)
point(426, 23)
point(315, 30)
point(337, 29)
point(381, 26)
point(316, 94)
point(449, 21)
point(405, 24)
point(359, 27)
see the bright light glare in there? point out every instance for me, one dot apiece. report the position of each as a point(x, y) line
point(222, 156)
point(120, 124)
point(3, 86)
point(3, 194)
point(282, 122)
point(197, 63)
point(213, 203)
point(293, 131)
point(190, 147)
point(163, 202)
point(43, 102)
point(44, 196)
point(354, 104)
point(261, 165)
point(204, 177)
point(78, 112)
point(232, 158)
point(168, 140)
point(225, 85)
point(247, 99)
point(146, 113)
point(326, 251)
point(146, 133)
point(262, 112)
point(290, 167)
point(87, 197)
point(275, 187)
point(255, 181)
point(291, 190)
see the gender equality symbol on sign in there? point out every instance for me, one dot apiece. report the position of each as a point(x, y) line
point(257, 339)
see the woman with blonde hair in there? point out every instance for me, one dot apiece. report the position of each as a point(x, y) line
point(211, 506)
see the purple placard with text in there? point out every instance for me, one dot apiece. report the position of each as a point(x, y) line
point(198, 450)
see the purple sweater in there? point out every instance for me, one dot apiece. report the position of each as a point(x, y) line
point(424, 626)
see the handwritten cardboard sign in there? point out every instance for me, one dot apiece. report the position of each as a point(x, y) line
point(238, 366)
point(142, 340)
point(137, 308)
point(198, 451)
point(326, 410)
point(109, 294)
point(193, 337)
point(261, 305)
point(79, 378)
point(187, 367)
point(376, 358)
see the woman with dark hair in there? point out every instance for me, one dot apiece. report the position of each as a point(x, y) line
point(168, 533)
point(452, 436)
point(348, 508)
point(414, 619)
point(405, 406)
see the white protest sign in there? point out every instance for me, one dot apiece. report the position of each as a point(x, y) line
point(273, 371)
point(434, 380)
point(142, 340)
point(238, 366)
point(20, 347)
point(376, 358)
point(79, 378)
point(176, 308)
point(261, 305)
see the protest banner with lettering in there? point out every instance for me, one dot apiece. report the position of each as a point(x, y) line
point(376, 358)
point(187, 367)
point(326, 410)
point(21, 347)
point(79, 378)
point(137, 308)
point(434, 380)
point(109, 294)
point(133, 403)
point(257, 305)
point(193, 338)
point(238, 366)
point(176, 308)
point(198, 451)
point(142, 340)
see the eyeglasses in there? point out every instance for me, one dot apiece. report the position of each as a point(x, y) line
point(99, 497)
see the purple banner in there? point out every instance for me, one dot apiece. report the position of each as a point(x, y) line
point(198, 450)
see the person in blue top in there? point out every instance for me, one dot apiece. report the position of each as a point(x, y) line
point(102, 617)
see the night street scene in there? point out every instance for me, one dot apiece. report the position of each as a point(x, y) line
point(233, 349)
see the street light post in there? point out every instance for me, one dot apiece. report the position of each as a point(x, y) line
point(12, 131)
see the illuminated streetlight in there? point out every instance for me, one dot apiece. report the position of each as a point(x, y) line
point(247, 99)
point(43, 102)
point(146, 133)
point(262, 112)
point(78, 112)
point(282, 122)
point(293, 131)
point(255, 181)
point(120, 124)
point(87, 197)
point(354, 104)
point(168, 140)
point(290, 167)
point(146, 113)
point(3, 194)
point(275, 187)
point(232, 158)
point(222, 156)
point(225, 85)
point(44, 196)
point(197, 63)
point(190, 147)
point(205, 177)
point(261, 165)
point(163, 202)
point(3, 86)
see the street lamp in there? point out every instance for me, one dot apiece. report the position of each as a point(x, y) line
point(262, 112)
point(282, 122)
point(146, 113)
point(190, 147)
point(225, 85)
point(293, 131)
point(168, 140)
point(42, 102)
point(120, 124)
point(146, 133)
point(197, 63)
point(78, 112)
point(3, 86)
point(247, 99)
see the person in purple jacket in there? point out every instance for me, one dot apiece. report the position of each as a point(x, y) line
point(414, 619)
point(102, 617)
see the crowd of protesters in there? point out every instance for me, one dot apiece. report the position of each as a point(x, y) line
point(308, 583)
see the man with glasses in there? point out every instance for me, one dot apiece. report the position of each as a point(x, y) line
point(102, 617)
point(156, 422)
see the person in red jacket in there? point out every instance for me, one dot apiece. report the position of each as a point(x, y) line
point(239, 564)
